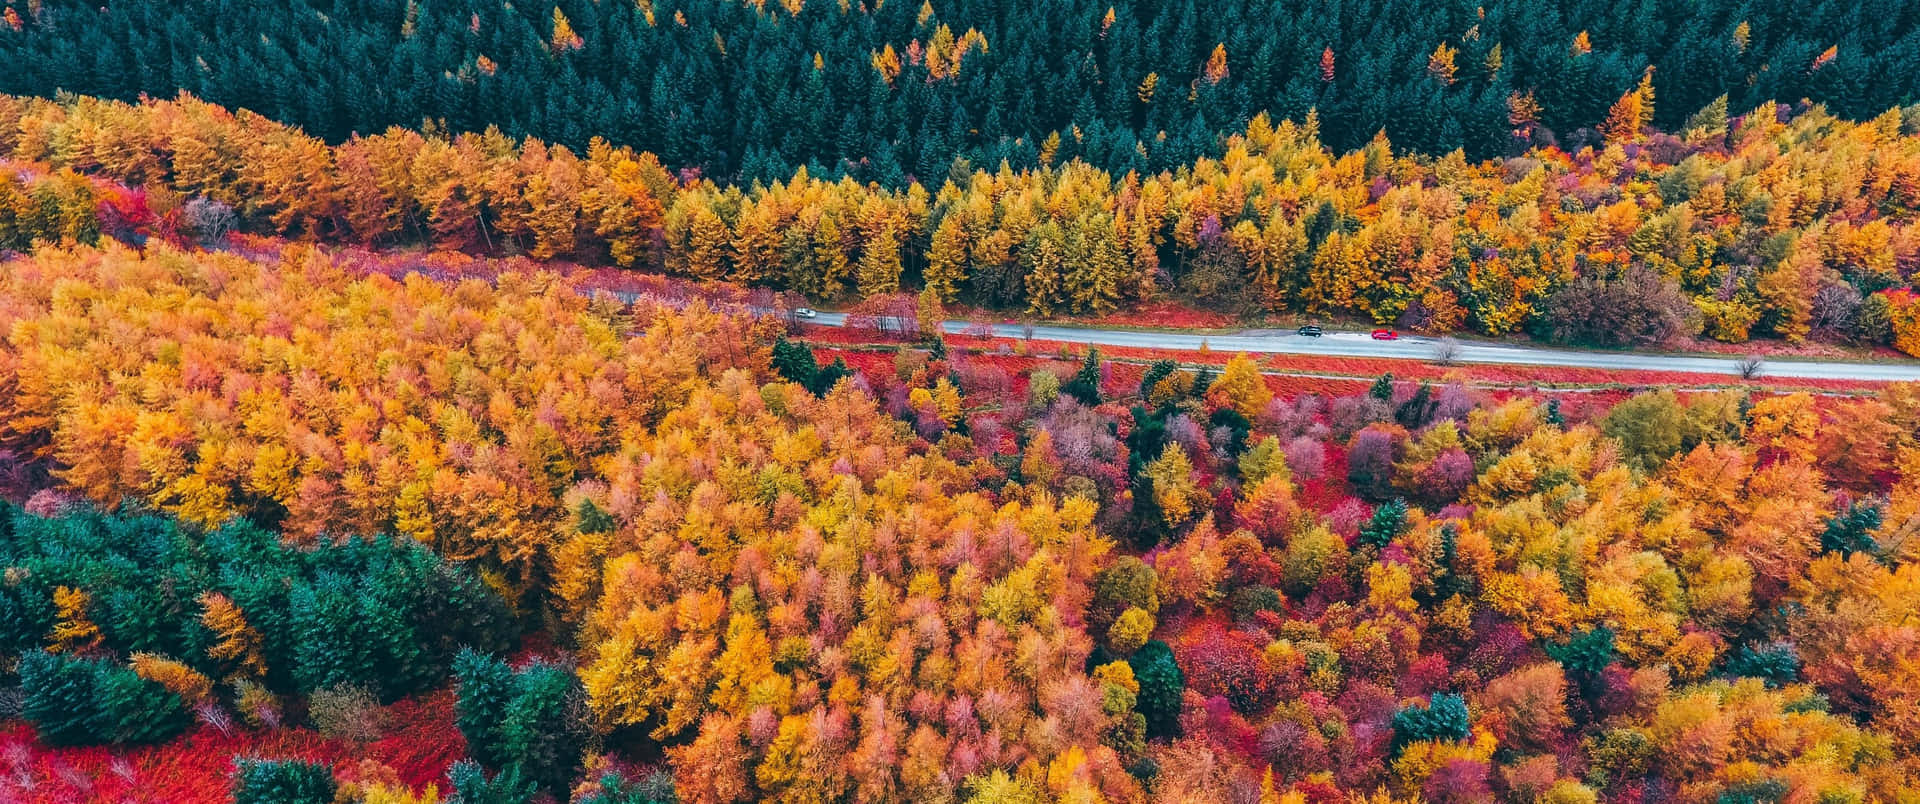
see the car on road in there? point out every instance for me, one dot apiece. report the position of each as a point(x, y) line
point(1385, 335)
point(1310, 331)
point(804, 312)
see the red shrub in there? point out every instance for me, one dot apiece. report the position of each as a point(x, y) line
point(1230, 664)
point(194, 767)
point(1462, 780)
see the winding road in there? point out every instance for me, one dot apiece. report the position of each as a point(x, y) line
point(1360, 344)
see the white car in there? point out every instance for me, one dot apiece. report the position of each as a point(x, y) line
point(805, 312)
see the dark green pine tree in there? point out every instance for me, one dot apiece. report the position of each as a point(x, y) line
point(75, 701)
point(1389, 520)
point(1085, 385)
point(485, 686)
point(545, 725)
point(26, 615)
point(135, 711)
point(794, 361)
point(527, 725)
point(58, 698)
point(331, 648)
point(281, 781)
point(472, 785)
point(1161, 685)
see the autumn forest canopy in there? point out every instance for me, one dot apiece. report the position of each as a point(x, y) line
point(278, 490)
point(405, 403)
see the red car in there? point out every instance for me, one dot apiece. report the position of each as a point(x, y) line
point(1385, 335)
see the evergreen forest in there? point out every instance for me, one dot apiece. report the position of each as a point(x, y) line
point(893, 91)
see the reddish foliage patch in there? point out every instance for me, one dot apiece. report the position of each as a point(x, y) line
point(1327, 490)
point(1231, 664)
point(1124, 379)
point(843, 335)
point(876, 365)
point(421, 740)
point(1162, 314)
point(1288, 386)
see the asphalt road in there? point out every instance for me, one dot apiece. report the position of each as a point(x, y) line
point(1360, 344)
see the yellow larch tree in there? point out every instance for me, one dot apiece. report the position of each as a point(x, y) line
point(1241, 387)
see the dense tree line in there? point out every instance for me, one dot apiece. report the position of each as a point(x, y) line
point(889, 91)
point(1781, 222)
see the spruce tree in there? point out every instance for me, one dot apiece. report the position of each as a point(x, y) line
point(544, 730)
point(795, 362)
point(134, 710)
point(281, 781)
point(59, 698)
point(1389, 520)
point(472, 785)
point(1382, 388)
point(1085, 385)
point(528, 724)
point(485, 686)
point(1161, 685)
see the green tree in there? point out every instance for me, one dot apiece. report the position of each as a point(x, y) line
point(485, 689)
point(472, 785)
point(1650, 427)
point(134, 710)
point(1161, 686)
point(544, 730)
point(1085, 385)
point(75, 701)
point(1389, 520)
point(59, 699)
point(1851, 530)
point(1382, 388)
point(1441, 717)
point(281, 781)
point(830, 376)
point(1587, 651)
point(528, 724)
point(796, 363)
